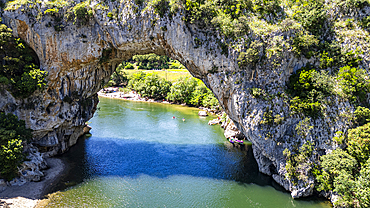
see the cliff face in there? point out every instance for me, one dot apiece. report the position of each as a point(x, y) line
point(81, 55)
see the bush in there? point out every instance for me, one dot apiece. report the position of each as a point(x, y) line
point(82, 13)
point(149, 85)
point(298, 166)
point(251, 55)
point(337, 163)
point(312, 16)
point(333, 55)
point(363, 186)
point(305, 44)
point(161, 7)
point(13, 133)
point(358, 143)
point(309, 88)
point(362, 115)
point(354, 83)
point(181, 91)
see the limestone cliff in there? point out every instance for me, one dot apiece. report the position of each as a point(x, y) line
point(80, 55)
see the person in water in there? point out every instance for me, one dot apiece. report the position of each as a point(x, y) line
point(183, 119)
point(173, 117)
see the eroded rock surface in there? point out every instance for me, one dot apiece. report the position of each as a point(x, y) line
point(81, 57)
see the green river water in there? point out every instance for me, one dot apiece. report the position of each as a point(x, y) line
point(139, 156)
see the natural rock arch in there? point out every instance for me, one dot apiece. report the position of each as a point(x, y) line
point(83, 55)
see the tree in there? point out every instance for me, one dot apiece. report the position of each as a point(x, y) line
point(358, 142)
point(19, 67)
point(13, 133)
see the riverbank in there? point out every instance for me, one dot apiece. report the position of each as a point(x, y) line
point(113, 92)
point(29, 194)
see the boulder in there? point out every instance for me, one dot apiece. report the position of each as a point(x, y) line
point(202, 113)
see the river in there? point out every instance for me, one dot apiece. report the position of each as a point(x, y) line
point(138, 156)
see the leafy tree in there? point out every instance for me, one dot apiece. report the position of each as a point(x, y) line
point(308, 88)
point(182, 90)
point(312, 15)
point(337, 163)
point(362, 115)
point(358, 142)
point(363, 186)
point(19, 67)
point(149, 85)
point(150, 61)
point(354, 83)
point(13, 133)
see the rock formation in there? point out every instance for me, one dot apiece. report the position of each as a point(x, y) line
point(81, 54)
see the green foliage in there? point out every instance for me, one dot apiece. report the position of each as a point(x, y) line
point(332, 165)
point(129, 65)
point(151, 61)
point(52, 11)
point(19, 68)
point(334, 56)
point(267, 8)
point(182, 90)
point(251, 56)
point(119, 77)
point(339, 138)
point(303, 127)
point(348, 5)
point(358, 143)
point(161, 7)
point(268, 118)
point(82, 13)
point(305, 44)
point(257, 92)
point(365, 23)
point(228, 16)
point(312, 16)
point(298, 165)
point(354, 83)
point(362, 115)
point(362, 193)
point(12, 134)
point(175, 64)
point(309, 88)
point(337, 174)
point(152, 86)
point(186, 90)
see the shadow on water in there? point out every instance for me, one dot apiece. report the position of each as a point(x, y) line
point(94, 157)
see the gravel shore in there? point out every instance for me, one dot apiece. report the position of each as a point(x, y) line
point(29, 194)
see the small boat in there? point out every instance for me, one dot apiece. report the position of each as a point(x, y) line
point(239, 141)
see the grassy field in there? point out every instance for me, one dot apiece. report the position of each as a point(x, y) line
point(168, 74)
